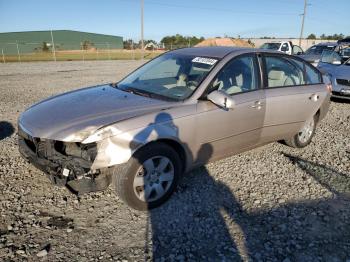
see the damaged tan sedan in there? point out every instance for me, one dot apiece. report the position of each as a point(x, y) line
point(179, 111)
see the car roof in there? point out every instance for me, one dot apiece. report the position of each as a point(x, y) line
point(328, 44)
point(344, 41)
point(277, 42)
point(211, 51)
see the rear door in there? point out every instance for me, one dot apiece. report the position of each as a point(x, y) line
point(294, 92)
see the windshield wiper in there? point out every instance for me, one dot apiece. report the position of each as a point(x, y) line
point(137, 91)
point(131, 90)
point(144, 93)
point(114, 85)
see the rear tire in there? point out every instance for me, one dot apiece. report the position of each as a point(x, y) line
point(149, 178)
point(305, 135)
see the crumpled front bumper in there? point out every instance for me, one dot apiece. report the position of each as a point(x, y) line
point(57, 167)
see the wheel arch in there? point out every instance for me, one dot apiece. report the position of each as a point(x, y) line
point(176, 145)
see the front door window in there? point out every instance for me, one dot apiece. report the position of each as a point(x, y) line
point(238, 76)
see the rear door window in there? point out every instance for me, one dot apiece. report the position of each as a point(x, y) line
point(283, 71)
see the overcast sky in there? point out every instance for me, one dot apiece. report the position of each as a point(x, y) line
point(208, 18)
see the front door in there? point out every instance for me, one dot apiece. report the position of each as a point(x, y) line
point(232, 131)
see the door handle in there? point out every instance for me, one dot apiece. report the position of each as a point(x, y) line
point(257, 104)
point(314, 97)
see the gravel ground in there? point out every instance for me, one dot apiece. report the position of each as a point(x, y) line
point(270, 204)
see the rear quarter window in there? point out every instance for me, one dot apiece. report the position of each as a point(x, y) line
point(313, 76)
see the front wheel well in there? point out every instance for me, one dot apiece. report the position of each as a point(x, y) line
point(174, 145)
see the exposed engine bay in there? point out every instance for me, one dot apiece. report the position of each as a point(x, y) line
point(66, 163)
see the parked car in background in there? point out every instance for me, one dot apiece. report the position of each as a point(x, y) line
point(344, 49)
point(338, 71)
point(314, 53)
point(179, 111)
point(344, 41)
point(285, 47)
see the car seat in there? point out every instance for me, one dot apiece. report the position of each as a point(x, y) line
point(277, 77)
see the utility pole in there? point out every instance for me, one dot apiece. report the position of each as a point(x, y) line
point(302, 23)
point(109, 51)
point(53, 47)
point(142, 43)
point(3, 56)
point(18, 53)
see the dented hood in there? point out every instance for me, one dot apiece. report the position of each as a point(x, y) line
point(75, 115)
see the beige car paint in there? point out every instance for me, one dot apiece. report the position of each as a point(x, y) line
point(258, 117)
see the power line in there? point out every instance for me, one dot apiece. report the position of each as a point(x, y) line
point(217, 9)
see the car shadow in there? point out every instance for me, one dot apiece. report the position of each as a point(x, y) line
point(215, 226)
point(204, 220)
point(6, 129)
point(192, 224)
point(336, 182)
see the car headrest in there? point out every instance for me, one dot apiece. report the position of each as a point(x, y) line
point(276, 74)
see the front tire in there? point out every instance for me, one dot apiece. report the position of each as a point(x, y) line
point(149, 178)
point(305, 135)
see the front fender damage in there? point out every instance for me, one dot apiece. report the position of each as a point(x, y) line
point(118, 149)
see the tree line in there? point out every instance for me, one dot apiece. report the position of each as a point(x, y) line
point(179, 40)
point(327, 37)
point(168, 42)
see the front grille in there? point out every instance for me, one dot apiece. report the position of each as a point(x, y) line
point(30, 144)
point(340, 93)
point(343, 82)
point(34, 144)
point(41, 149)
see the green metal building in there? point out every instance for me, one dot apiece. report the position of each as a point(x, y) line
point(35, 41)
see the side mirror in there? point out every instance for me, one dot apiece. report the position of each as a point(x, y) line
point(221, 99)
point(300, 53)
point(336, 62)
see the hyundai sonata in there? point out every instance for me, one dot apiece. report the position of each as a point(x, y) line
point(178, 111)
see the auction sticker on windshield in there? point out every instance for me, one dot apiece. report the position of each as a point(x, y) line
point(204, 60)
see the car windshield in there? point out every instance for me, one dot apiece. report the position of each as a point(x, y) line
point(331, 57)
point(170, 76)
point(345, 52)
point(271, 46)
point(319, 49)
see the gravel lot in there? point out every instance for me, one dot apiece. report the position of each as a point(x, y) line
point(270, 204)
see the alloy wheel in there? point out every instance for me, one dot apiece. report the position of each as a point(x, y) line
point(307, 130)
point(154, 178)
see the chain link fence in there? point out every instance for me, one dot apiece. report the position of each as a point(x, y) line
point(42, 51)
